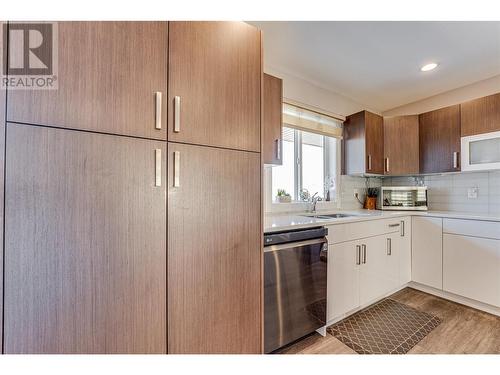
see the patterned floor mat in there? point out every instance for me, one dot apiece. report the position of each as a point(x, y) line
point(388, 327)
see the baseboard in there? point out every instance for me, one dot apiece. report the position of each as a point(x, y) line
point(456, 298)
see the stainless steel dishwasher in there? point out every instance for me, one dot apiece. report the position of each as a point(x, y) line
point(295, 269)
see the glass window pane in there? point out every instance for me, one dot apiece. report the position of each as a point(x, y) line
point(313, 163)
point(283, 175)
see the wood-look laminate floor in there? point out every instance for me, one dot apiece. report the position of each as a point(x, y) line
point(463, 330)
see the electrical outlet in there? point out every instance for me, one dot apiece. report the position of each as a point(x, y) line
point(356, 193)
point(472, 192)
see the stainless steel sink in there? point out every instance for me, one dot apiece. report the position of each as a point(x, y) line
point(331, 216)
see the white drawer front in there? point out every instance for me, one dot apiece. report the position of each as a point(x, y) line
point(363, 229)
point(475, 228)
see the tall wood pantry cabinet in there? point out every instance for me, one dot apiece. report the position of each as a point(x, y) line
point(2, 148)
point(214, 210)
point(85, 199)
point(89, 175)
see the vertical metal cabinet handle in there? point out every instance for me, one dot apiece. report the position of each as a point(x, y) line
point(177, 167)
point(157, 167)
point(278, 149)
point(177, 114)
point(389, 246)
point(364, 253)
point(387, 164)
point(455, 159)
point(158, 110)
point(402, 228)
point(358, 254)
point(369, 162)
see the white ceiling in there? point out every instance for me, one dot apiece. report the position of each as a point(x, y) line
point(378, 63)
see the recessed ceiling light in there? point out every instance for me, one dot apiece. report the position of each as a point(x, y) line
point(428, 67)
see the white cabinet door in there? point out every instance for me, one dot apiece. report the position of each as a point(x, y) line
point(403, 246)
point(343, 279)
point(471, 267)
point(393, 246)
point(373, 275)
point(427, 251)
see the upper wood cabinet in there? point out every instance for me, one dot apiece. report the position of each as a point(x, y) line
point(109, 74)
point(215, 76)
point(363, 144)
point(272, 120)
point(401, 145)
point(480, 115)
point(439, 139)
point(214, 250)
point(85, 243)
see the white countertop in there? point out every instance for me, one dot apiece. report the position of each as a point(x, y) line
point(278, 222)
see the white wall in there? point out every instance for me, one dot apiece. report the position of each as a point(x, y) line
point(299, 90)
point(476, 90)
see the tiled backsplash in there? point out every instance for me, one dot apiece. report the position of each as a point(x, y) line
point(449, 192)
point(347, 186)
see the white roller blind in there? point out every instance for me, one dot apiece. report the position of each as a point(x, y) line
point(310, 121)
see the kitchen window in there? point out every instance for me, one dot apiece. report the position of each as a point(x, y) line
point(310, 158)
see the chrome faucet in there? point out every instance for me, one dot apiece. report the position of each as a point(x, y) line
point(313, 201)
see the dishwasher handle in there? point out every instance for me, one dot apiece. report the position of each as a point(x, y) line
point(291, 245)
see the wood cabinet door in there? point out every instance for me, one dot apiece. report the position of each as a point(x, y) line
point(363, 144)
point(272, 120)
point(85, 243)
point(427, 251)
point(480, 115)
point(401, 145)
point(343, 279)
point(214, 250)
point(2, 153)
point(439, 140)
point(215, 76)
point(374, 143)
point(107, 77)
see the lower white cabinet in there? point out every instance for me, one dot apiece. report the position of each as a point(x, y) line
point(471, 267)
point(362, 271)
point(427, 251)
point(343, 278)
point(379, 270)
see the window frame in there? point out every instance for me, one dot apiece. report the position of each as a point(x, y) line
point(298, 182)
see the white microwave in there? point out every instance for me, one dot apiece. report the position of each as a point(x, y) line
point(480, 152)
